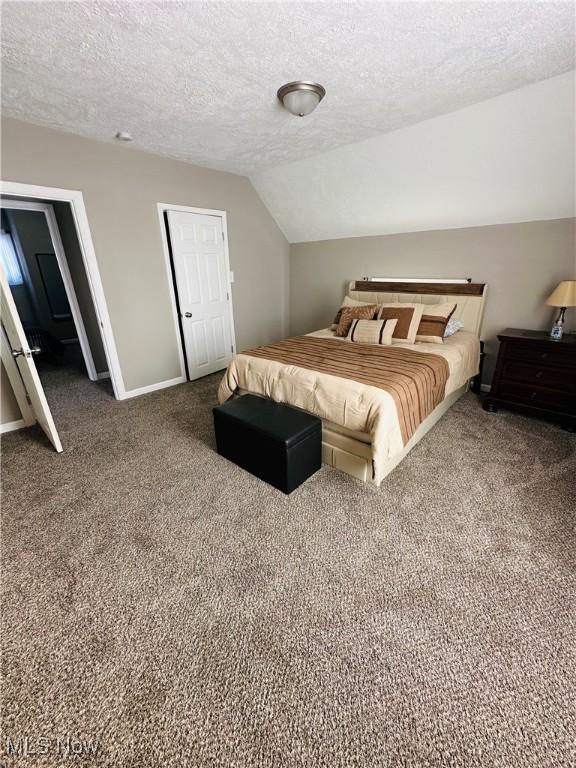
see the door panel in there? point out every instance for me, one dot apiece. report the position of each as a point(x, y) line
point(201, 274)
point(213, 276)
point(210, 233)
point(188, 233)
point(221, 349)
point(199, 343)
point(26, 366)
point(192, 281)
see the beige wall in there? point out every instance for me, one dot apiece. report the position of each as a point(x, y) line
point(121, 187)
point(521, 263)
point(9, 410)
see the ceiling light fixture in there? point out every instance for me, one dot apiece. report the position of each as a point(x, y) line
point(301, 97)
point(124, 136)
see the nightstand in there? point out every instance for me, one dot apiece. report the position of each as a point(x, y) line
point(535, 375)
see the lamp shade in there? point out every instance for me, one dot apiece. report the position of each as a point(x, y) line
point(301, 103)
point(564, 295)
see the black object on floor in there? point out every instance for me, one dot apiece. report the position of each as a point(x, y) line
point(277, 443)
point(51, 349)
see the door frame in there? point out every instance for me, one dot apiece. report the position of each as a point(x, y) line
point(76, 201)
point(162, 209)
point(48, 211)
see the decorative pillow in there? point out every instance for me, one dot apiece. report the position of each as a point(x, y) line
point(434, 321)
point(348, 302)
point(452, 327)
point(372, 331)
point(408, 316)
point(365, 312)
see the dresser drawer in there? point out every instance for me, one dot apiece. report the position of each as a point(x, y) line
point(541, 353)
point(548, 376)
point(535, 375)
point(543, 398)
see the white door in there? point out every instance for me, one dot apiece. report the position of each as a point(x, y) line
point(203, 283)
point(26, 367)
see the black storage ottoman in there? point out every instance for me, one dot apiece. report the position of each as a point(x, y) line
point(277, 443)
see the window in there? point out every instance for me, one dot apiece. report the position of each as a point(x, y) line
point(10, 259)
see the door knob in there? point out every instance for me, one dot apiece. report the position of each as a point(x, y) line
point(187, 314)
point(31, 351)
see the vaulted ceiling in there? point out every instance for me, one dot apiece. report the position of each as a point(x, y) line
point(198, 80)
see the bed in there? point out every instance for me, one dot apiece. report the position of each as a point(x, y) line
point(366, 429)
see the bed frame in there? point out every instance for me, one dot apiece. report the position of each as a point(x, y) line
point(352, 455)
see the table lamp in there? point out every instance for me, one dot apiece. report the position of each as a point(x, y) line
point(564, 295)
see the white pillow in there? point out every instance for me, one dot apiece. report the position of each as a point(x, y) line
point(452, 327)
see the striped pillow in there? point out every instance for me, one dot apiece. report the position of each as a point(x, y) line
point(365, 312)
point(434, 321)
point(372, 331)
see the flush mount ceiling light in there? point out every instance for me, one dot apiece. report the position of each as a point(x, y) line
point(124, 136)
point(301, 97)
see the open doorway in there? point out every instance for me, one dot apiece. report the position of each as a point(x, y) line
point(42, 260)
point(55, 323)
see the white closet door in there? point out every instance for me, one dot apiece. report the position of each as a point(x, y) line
point(202, 281)
point(26, 366)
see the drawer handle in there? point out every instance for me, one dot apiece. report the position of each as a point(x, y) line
point(539, 374)
point(544, 355)
point(532, 395)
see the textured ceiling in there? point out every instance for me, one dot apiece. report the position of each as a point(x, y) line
point(503, 160)
point(197, 80)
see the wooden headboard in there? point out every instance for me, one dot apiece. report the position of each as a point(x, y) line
point(469, 297)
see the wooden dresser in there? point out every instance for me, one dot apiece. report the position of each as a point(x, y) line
point(535, 375)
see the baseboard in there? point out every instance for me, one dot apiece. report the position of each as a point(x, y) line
point(485, 387)
point(11, 426)
point(152, 388)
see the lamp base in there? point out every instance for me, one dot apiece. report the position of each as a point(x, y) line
point(558, 328)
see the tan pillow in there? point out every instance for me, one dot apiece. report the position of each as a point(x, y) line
point(434, 321)
point(372, 331)
point(408, 316)
point(348, 302)
point(365, 312)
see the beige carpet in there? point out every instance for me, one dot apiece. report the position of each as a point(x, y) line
point(179, 612)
